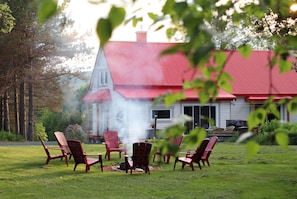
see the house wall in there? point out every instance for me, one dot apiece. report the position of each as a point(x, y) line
point(239, 109)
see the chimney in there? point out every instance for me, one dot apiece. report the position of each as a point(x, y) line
point(141, 36)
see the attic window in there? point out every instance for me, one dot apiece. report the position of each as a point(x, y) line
point(103, 78)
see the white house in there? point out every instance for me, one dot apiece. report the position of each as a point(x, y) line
point(127, 76)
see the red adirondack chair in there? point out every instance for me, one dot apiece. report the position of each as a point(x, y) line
point(140, 157)
point(195, 158)
point(49, 156)
point(62, 142)
point(112, 143)
point(80, 157)
point(213, 140)
point(176, 142)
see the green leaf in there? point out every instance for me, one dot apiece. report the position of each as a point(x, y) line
point(116, 16)
point(195, 137)
point(252, 149)
point(153, 16)
point(220, 58)
point(104, 31)
point(282, 139)
point(203, 96)
point(47, 9)
point(172, 98)
point(136, 20)
point(285, 65)
point(256, 117)
point(292, 105)
point(245, 51)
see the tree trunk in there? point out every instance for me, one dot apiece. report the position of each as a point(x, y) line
point(6, 114)
point(16, 112)
point(22, 110)
point(30, 114)
point(1, 113)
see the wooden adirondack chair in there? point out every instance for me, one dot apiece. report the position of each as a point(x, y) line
point(62, 142)
point(80, 157)
point(112, 143)
point(49, 156)
point(176, 142)
point(140, 157)
point(195, 158)
point(213, 140)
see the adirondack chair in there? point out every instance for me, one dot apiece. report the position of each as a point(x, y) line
point(112, 143)
point(140, 157)
point(49, 156)
point(80, 157)
point(213, 140)
point(194, 158)
point(62, 142)
point(176, 142)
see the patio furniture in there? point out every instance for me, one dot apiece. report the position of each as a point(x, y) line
point(80, 157)
point(175, 143)
point(140, 157)
point(51, 157)
point(195, 158)
point(212, 141)
point(112, 143)
point(62, 142)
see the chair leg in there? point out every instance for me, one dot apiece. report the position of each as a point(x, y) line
point(192, 166)
point(176, 160)
point(66, 160)
point(101, 164)
point(74, 167)
point(168, 158)
point(47, 160)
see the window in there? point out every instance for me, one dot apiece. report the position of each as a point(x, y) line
point(202, 116)
point(161, 114)
point(103, 78)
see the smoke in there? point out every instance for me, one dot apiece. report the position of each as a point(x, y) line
point(128, 118)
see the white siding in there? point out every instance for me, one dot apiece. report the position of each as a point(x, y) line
point(239, 110)
point(224, 113)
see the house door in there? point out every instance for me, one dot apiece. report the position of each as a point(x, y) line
point(202, 116)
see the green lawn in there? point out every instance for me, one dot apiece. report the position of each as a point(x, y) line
point(271, 174)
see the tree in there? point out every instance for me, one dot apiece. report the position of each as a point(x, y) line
point(271, 19)
point(6, 18)
point(31, 59)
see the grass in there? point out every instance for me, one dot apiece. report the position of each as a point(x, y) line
point(271, 174)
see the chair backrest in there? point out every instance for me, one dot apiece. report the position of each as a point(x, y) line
point(61, 139)
point(196, 157)
point(77, 151)
point(141, 152)
point(111, 139)
point(211, 143)
point(44, 146)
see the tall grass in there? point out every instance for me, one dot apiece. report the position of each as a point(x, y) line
point(271, 174)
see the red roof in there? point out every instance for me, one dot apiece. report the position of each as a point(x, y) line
point(253, 77)
point(135, 65)
point(99, 96)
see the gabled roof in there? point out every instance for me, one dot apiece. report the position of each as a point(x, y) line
point(134, 64)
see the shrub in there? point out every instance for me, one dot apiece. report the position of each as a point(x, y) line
point(7, 136)
point(267, 132)
point(39, 129)
point(75, 132)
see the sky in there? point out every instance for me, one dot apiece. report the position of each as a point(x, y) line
point(86, 16)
